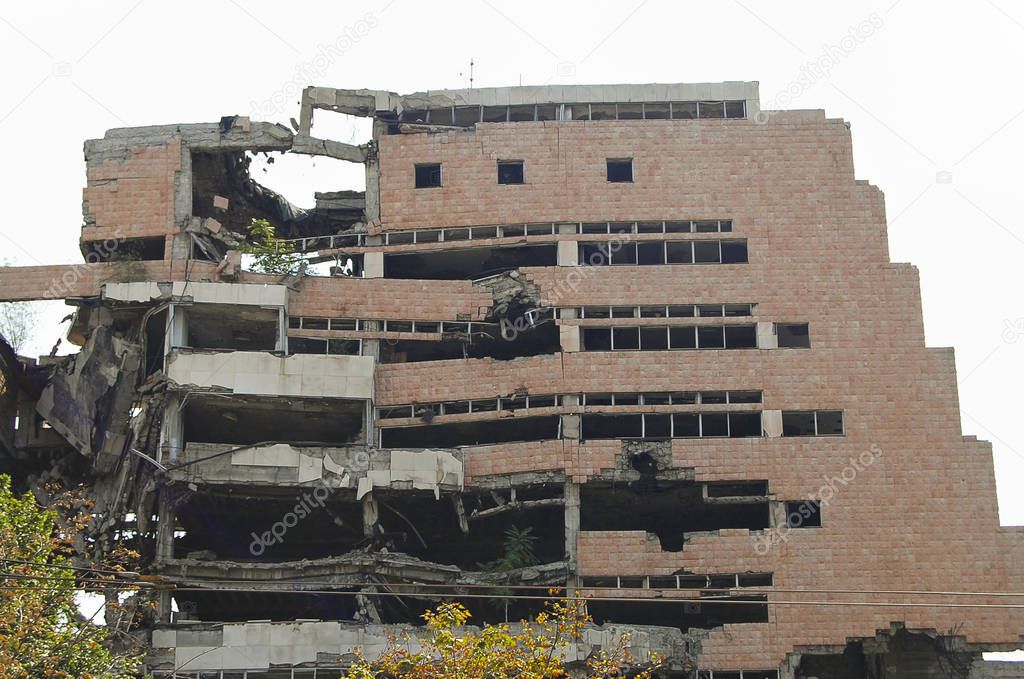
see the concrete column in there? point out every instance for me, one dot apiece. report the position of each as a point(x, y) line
point(282, 331)
point(373, 265)
point(164, 551)
point(178, 335)
point(766, 337)
point(572, 531)
point(371, 514)
point(172, 432)
point(568, 253)
point(569, 337)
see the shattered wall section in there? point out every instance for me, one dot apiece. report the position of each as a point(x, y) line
point(91, 393)
point(132, 197)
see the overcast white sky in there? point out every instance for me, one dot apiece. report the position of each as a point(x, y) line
point(930, 90)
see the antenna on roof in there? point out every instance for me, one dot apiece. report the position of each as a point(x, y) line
point(471, 73)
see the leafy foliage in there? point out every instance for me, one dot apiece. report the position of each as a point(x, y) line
point(41, 631)
point(534, 650)
point(270, 253)
point(520, 551)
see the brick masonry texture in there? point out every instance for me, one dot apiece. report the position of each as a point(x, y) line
point(922, 516)
point(133, 198)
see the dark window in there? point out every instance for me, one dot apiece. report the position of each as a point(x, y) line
point(399, 326)
point(686, 425)
point(625, 254)
point(735, 109)
point(599, 399)
point(652, 312)
point(343, 347)
point(630, 111)
point(521, 113)
point(455, 407)
point(612, 426)
point(495, 114)
point(712, 109)
point(710, 337)
point(798, 423)
point(428, 175)
point(657, 426)
point(594, 254)
point(656, 111)
point(597, 339)
point(740, 337)
point(510, 172)
point(596, 312)
point(709, 310)
point(803, 514)
point(830, 422)
point(737, 309)
point(684, 109)
point(682, 337)
point(744, 424)
point(626, 338)
point(657, 399)
point(306, 345)
point(602, 111)
point(793, 335)
point(744, 397)
point(706, 226)
point(440, 116)
point(714, 424)
point(706, 252)
point(734, 252)
point(623, 311)
point(679, 252)
point(620, 170)
point(467, 115)
point(684, 398)
point(653, 339)
point(713, 397)
point(650, 253)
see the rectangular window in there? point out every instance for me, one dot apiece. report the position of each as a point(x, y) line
point(793, 335)
point(650, 253)
point(625, 339)
point(686, 425)
point(626, 254)
point(682, 337)
point(734, 252)
point(744, 425)
point(620, 170)
point(510, 172)
point(798, 423)
point(679, 252)
point(654, 339)
point(740, 337)
point(706, 252)
point(428, 175)
point(829, 422)
point(597, 339)
point(657, 426)
point(710, 337)
point(803, 514)
point(714, 424)
point(594, 254)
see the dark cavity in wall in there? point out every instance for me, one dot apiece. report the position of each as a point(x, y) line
point(670, 510)
point(469, 263)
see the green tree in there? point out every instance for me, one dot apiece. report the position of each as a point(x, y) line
point(270, 253)
point(42, 633)
point(535, 650)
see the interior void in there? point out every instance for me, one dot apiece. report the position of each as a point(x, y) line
point(125, 249)
point(223, 189)
point(211, 605)
point(236, 327)
point(245, 420)
point(468, 264)
point(669, 510)
point(537, 340)
point(683, 614)
point(228, 527)
point(156, 335)
point(902, 654)
point(452, 434)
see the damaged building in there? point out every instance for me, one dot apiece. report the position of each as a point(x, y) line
point(643, 342)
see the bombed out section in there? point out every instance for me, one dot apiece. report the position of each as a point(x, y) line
point(669, 510)
point(469, 263)
point(535, 340)
point(233, 327)
point(247, 420)
point(240, 528)
point(450, 435)
point(683, 614)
